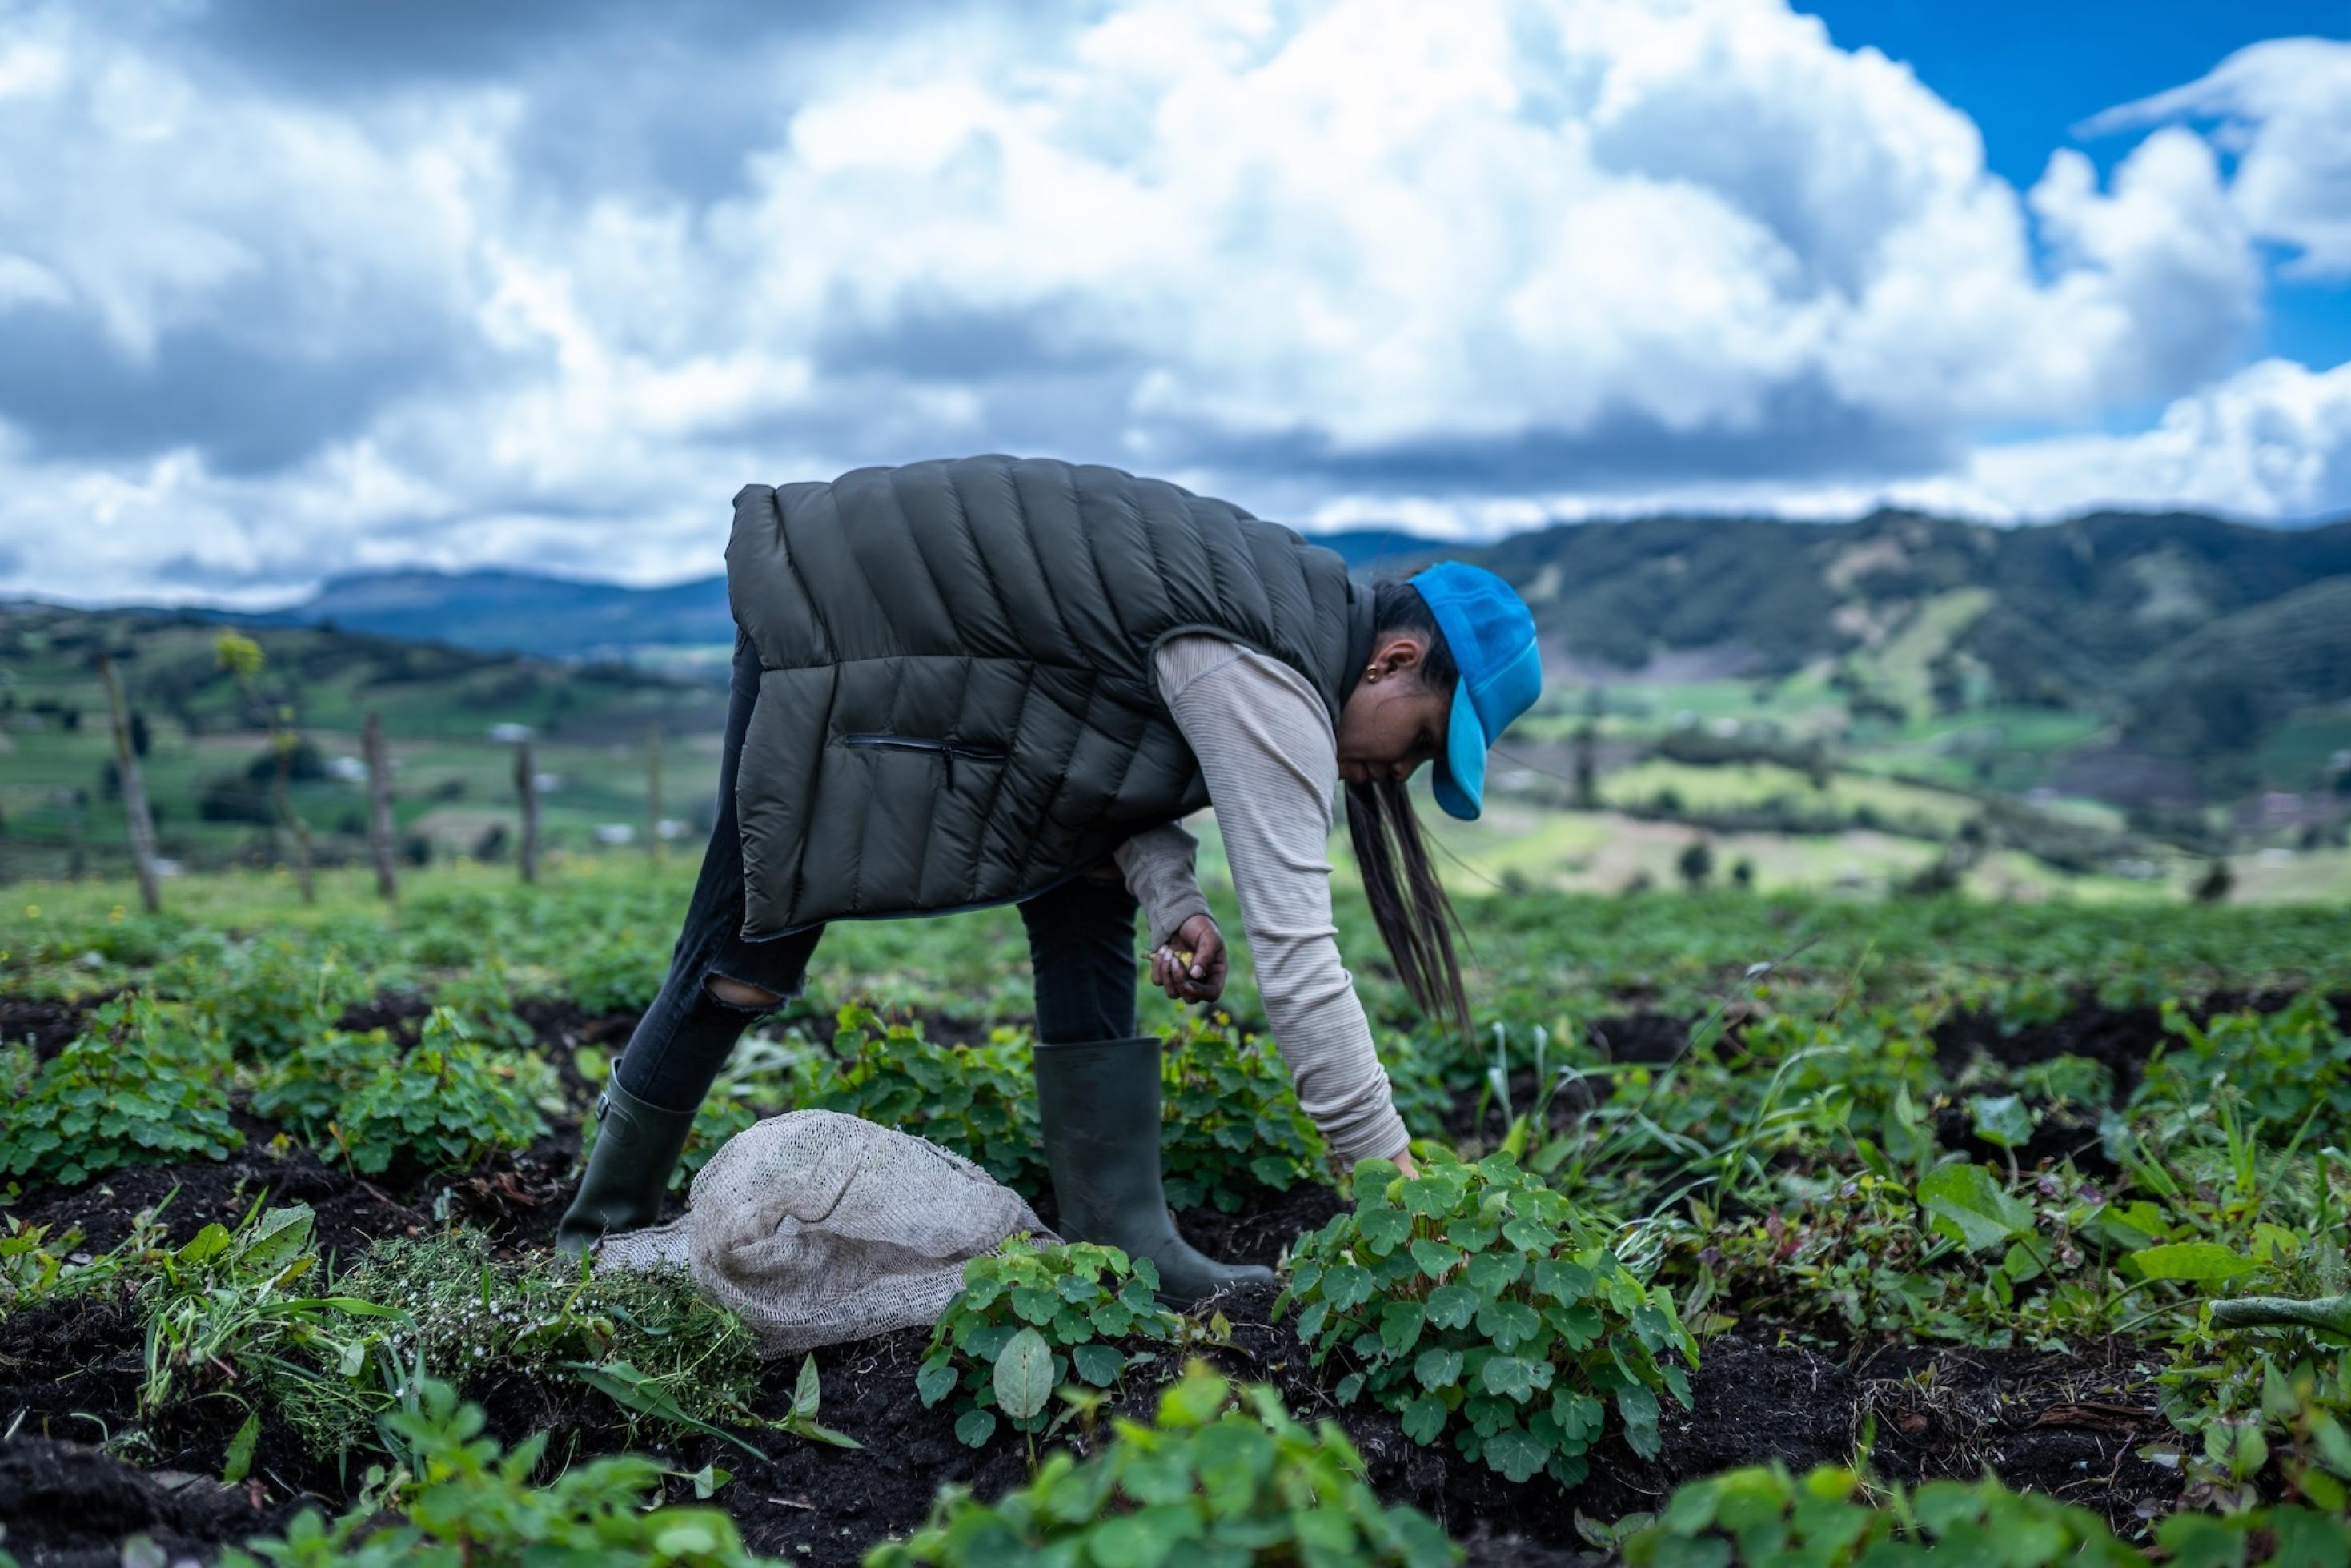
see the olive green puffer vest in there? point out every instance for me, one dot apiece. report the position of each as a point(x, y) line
point(956, 703)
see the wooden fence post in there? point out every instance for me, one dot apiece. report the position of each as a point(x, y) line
point(653, 791)
point(134, 790)
point(283, 741)
point(378, 768)
point(526, 785)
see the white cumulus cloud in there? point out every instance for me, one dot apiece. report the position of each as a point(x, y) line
point(2272, 441)
point(1467, 265)
point(2285, 108)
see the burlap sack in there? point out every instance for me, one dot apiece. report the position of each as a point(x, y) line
point(816, 1228)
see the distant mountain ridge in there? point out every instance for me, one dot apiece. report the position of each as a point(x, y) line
point(2179, 624)
point(506, 612)
point(502, 611)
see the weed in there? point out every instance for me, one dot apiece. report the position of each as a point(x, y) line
point(649, 1342)
point(223, 1309)
point(468, 1501)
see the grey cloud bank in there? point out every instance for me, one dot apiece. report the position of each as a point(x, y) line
point(289, 289)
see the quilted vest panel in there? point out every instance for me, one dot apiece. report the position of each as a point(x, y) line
point(957, 703)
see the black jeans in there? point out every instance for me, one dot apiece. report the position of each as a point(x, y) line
point(1080, 950)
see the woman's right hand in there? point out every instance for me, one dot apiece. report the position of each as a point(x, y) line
point(1191, 967)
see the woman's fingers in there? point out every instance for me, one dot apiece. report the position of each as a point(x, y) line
point(1167, 974)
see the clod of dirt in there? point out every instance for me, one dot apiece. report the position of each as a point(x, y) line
point(46, 1026)
point(2071, 1425)
point(69, 1506)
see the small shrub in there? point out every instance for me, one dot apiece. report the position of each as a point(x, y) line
point(1471, 1299)
point(1216, 1478)
point(1026, 1318)
point(480, 997)
point(1231, 1121)
point(447, 1103)
point(977, 1101)
point(266, 997)
point(2281, 1064)
point(1754, 1517)
point(142, 1084)
point(467, 1501)
point(613, 971)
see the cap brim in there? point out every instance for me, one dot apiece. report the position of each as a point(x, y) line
point(1460, 781)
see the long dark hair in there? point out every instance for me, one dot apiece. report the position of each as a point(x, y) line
point(1409, 903)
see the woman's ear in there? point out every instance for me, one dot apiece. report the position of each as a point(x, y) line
point(1398, 655)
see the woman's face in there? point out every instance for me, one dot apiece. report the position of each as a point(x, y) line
point(1392, 722)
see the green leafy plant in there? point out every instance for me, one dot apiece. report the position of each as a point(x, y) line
point(2282, 1066)
point(1763, 1516)
point(1474, 1299)
point(266, 995)
point(1216, 1477)
point(480, 997)
point(468, 1502)
point(446, 1104)
point(800, 1420)
point(1028, 1316)
point(306, 1088)
point(1231, 1119)
point(616, 969)
point(975, 1100)
point(142, 1084)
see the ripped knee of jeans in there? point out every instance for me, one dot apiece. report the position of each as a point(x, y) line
point(739, 995)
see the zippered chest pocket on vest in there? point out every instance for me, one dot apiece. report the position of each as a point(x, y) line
point(945, 750)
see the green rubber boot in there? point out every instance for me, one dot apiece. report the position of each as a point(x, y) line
point(637, 1146)
point(1099, 1103)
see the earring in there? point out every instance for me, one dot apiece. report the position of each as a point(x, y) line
point(1371, 673)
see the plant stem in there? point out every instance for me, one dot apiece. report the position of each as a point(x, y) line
point(2331, 1314)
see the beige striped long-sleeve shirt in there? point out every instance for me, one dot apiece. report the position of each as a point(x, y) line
point(1266, 749)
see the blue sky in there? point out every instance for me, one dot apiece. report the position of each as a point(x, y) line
point(2028, 71)
point(289, 289)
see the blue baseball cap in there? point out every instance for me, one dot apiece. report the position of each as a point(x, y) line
point(1491, 636)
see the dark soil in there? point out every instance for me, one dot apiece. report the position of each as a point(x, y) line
point(2070, 1424)
point(2121, 1037)
point(69, 1505)
point(399, 1014)
point(518, 1196)
point(46, 1026)
point(2058, 1135)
